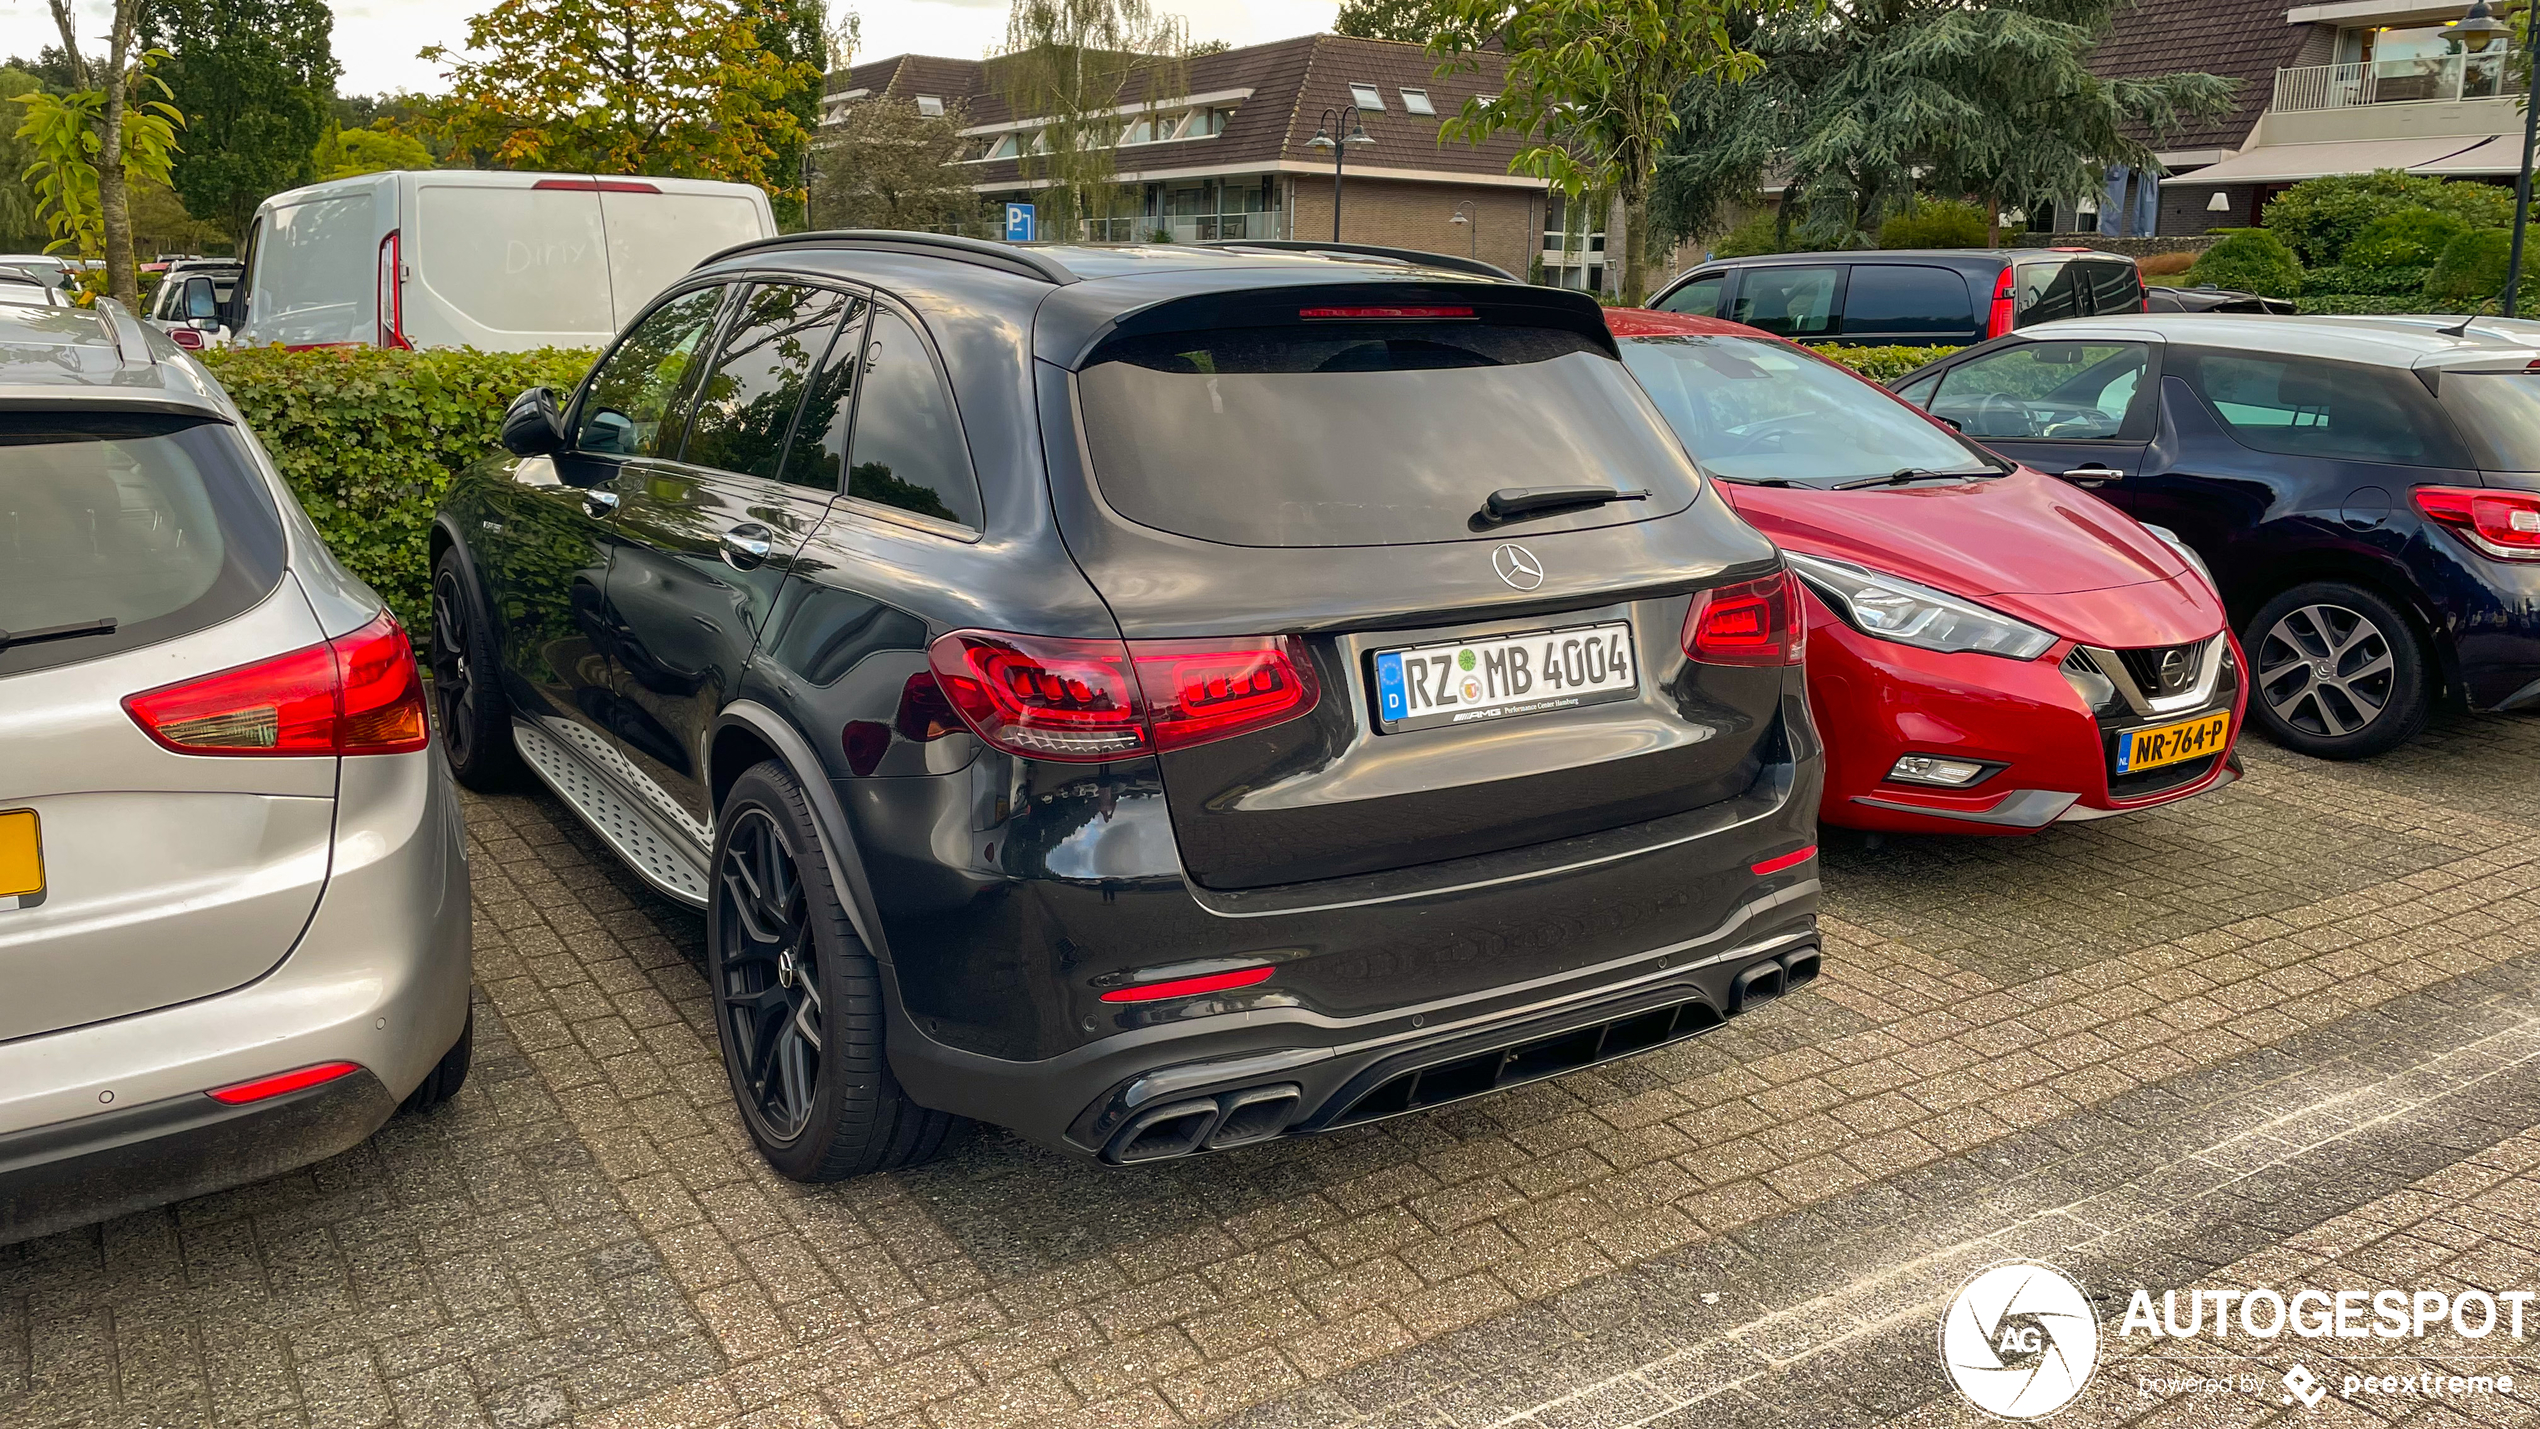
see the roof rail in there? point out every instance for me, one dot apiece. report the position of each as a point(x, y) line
point(132, 342)
point(1474, 266)
point(1013, 259)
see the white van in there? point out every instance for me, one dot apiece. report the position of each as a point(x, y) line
point(500, 261)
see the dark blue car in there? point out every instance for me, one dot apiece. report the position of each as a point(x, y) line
point(2365, 490)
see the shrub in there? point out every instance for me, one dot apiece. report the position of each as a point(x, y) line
point(2368, 305)
point(1752, 237)
point(2317, 218)
point(368, 439)
point(2164, 265)
point(1881, 364)
point(2250, 260)
point(2382, 282)
point(2410, 238)
point(2472, 267)
point(1940, 223)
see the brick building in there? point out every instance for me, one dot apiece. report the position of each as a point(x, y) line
point(1232, 157)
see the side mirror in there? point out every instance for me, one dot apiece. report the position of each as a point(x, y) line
point(533, 425)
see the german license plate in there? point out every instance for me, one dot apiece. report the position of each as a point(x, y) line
point(21, 859)
point(1465, 681)
point(2141, 749)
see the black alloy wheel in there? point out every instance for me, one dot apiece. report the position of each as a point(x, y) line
point(2336, 672)
point(467, 697)
point(770, 978)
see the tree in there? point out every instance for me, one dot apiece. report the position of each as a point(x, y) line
point(1862, 103)
point(1590, 89)
point(91, 140)
point(349, 153)
point(798, 31)
point(1412, 20)
point(676, 87)
point(884, 165)
point(1077, 63)
point(21, 226)
point(255, 79)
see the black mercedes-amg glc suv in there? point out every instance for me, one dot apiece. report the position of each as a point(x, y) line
point(1158, 699)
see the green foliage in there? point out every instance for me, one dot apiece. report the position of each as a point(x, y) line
point(368, 438)
point(2250, 260)
point(1411, 20)
point(2472, 267)
point(2410, 238)
point(2366, 305)
point(66, 133)
point(350, 153)
point(2377, 282)
point(1758, 234)
point(21, 227)
point(253, 78)
point(2318, 218)
point(1939, 223)
point(1880, 364)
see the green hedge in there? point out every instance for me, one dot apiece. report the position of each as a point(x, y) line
point(369, 438)
point(2365, 304)
point(1881, 364)
point(2362, 282)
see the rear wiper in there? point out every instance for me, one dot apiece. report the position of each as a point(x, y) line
point(104, 626)
point(1910, 475)
point(1511, 502)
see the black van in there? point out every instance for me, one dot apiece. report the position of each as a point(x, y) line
point(1944, 297)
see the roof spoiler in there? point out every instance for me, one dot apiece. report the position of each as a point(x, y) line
point(1448, 261)
point(1021, 261)
point(132, 341)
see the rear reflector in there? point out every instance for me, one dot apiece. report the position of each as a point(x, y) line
point(1044, 697)
point(1389, 311)
point(262, 1088)
point(357, 694)
point(1189, 986)
point(2500, 525)
point(1788, 860)
point(603, 186)
point(1754, 622)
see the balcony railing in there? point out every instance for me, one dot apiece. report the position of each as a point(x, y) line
point(2445, 78)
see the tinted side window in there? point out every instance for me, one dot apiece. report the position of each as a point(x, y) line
point(2049, 291)
point(1701, 297)
point(636, 402)
point(2061, 391)
point(2301, 407)
point(908, 450)
point(2114, 287)
point(1906, 298)
point(745, 408)
point(1790, 302)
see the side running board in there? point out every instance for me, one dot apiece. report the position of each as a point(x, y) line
point(670, 858)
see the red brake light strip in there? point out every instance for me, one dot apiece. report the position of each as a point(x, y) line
point(1788, 860)
point(1189, 986)
point(264, 1088)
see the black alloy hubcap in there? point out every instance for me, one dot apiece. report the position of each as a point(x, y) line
point(770, 976)
point(453, 679)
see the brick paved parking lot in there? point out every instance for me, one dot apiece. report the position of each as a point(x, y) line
point(2285, 1035)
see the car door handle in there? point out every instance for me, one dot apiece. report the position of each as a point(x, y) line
point(745, 546)
point(2092, 475)
point(599, 503)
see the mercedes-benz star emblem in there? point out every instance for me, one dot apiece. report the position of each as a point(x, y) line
point(1517, 566)
point(2174, 669)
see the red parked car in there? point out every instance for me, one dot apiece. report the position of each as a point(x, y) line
point(1990, 650)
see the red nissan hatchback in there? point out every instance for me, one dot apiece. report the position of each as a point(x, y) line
point(1990, 650)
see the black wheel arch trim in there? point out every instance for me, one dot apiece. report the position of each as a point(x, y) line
point(846, 869)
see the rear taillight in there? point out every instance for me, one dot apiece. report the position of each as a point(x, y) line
point(392, 295)
point(1999, 321)
point(355, 694)
point(187, 338)
point(1088, 700)
point(2500, 525)
point(1755, 622)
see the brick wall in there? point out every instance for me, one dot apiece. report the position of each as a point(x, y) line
point(1399, 214)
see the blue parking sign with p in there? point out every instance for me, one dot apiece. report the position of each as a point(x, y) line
point(1018, 222)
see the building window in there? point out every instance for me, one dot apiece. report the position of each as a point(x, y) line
point(931, 105)
point(1367, 98)
point(1416, 101)
point(1007, 146)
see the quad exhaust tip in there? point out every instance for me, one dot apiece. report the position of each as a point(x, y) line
point(1219, 1123)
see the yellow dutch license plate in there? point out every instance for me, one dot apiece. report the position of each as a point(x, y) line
point(21, 859)
point(2143, 749)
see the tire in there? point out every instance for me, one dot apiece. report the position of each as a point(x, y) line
point(447, 1076)
point(467, 690)
point(2337, 672)
point(802, 1046)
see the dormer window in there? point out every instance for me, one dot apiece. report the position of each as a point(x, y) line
point(1416, 101)
point(931, 106)
point(1006, 147)
point(1366, 97)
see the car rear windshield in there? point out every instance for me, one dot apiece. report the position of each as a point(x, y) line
point(122, 532)
point(1751, 410)
point(2499, 414)
point(1369, 433)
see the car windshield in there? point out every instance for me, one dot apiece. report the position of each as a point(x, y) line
point(1756, 411)
point(2499, 412)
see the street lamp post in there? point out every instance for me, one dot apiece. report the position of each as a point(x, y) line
point(1472, 227)
point(2478, 29)
point(1358, 134)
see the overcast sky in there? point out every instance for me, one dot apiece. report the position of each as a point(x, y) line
point(376, 40)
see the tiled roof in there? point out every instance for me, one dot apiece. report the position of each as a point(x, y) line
point(1292, 83)
point(2245, 40)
